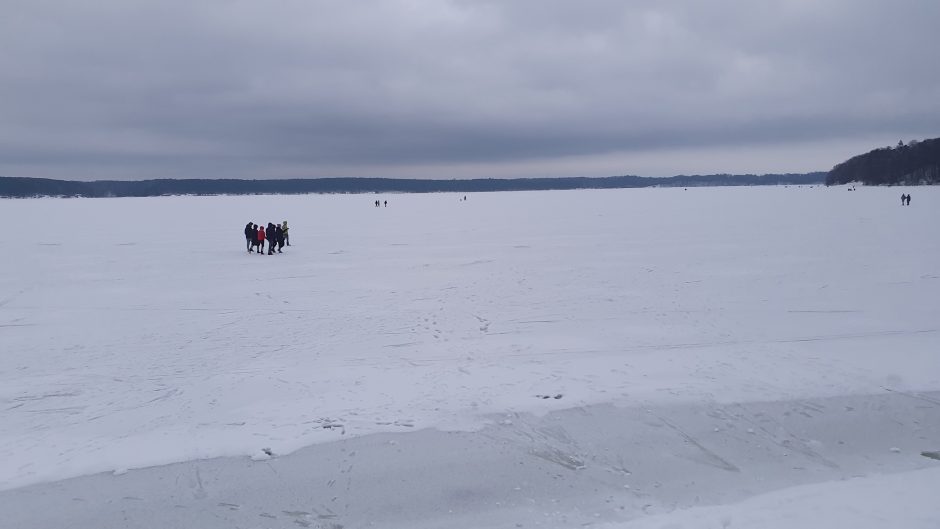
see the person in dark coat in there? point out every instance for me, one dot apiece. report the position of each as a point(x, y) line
point(279, 237)
point(271, 236)
point(250, 237)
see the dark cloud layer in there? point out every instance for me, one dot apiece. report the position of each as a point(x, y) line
point(292, 88)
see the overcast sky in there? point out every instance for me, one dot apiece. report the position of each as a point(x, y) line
point(131, 89)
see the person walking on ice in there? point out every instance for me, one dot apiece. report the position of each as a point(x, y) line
point(279, 237)
point(286, 237)
point(271, 236)
point(249, 236)
point(260, 239)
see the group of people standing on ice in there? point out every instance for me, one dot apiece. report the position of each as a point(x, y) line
point(275, 234)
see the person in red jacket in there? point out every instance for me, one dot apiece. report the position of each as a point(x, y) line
point(260, 240)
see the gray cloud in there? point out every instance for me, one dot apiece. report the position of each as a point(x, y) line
point(127, 89)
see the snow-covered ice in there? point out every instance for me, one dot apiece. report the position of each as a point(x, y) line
point(749, 350)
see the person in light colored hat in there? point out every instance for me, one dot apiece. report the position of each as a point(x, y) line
point(286, 237)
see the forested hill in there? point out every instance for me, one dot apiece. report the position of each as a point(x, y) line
point(918, 162)
point(15, 187)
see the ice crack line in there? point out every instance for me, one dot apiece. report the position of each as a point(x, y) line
point(716, 460)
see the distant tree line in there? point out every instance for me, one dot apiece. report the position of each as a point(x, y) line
point(917, 163)
point(16, 187)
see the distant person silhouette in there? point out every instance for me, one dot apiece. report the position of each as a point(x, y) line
point(249, 236)
point(286, 236)
point(908, 199)
point(271, 236)
point(279, 236)
point(386, 203)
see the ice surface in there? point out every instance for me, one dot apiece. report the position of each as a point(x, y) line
point(138, 332)
point(907, 500)
point(576, 467)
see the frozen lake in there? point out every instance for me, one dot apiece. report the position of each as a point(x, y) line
point(761, 330)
